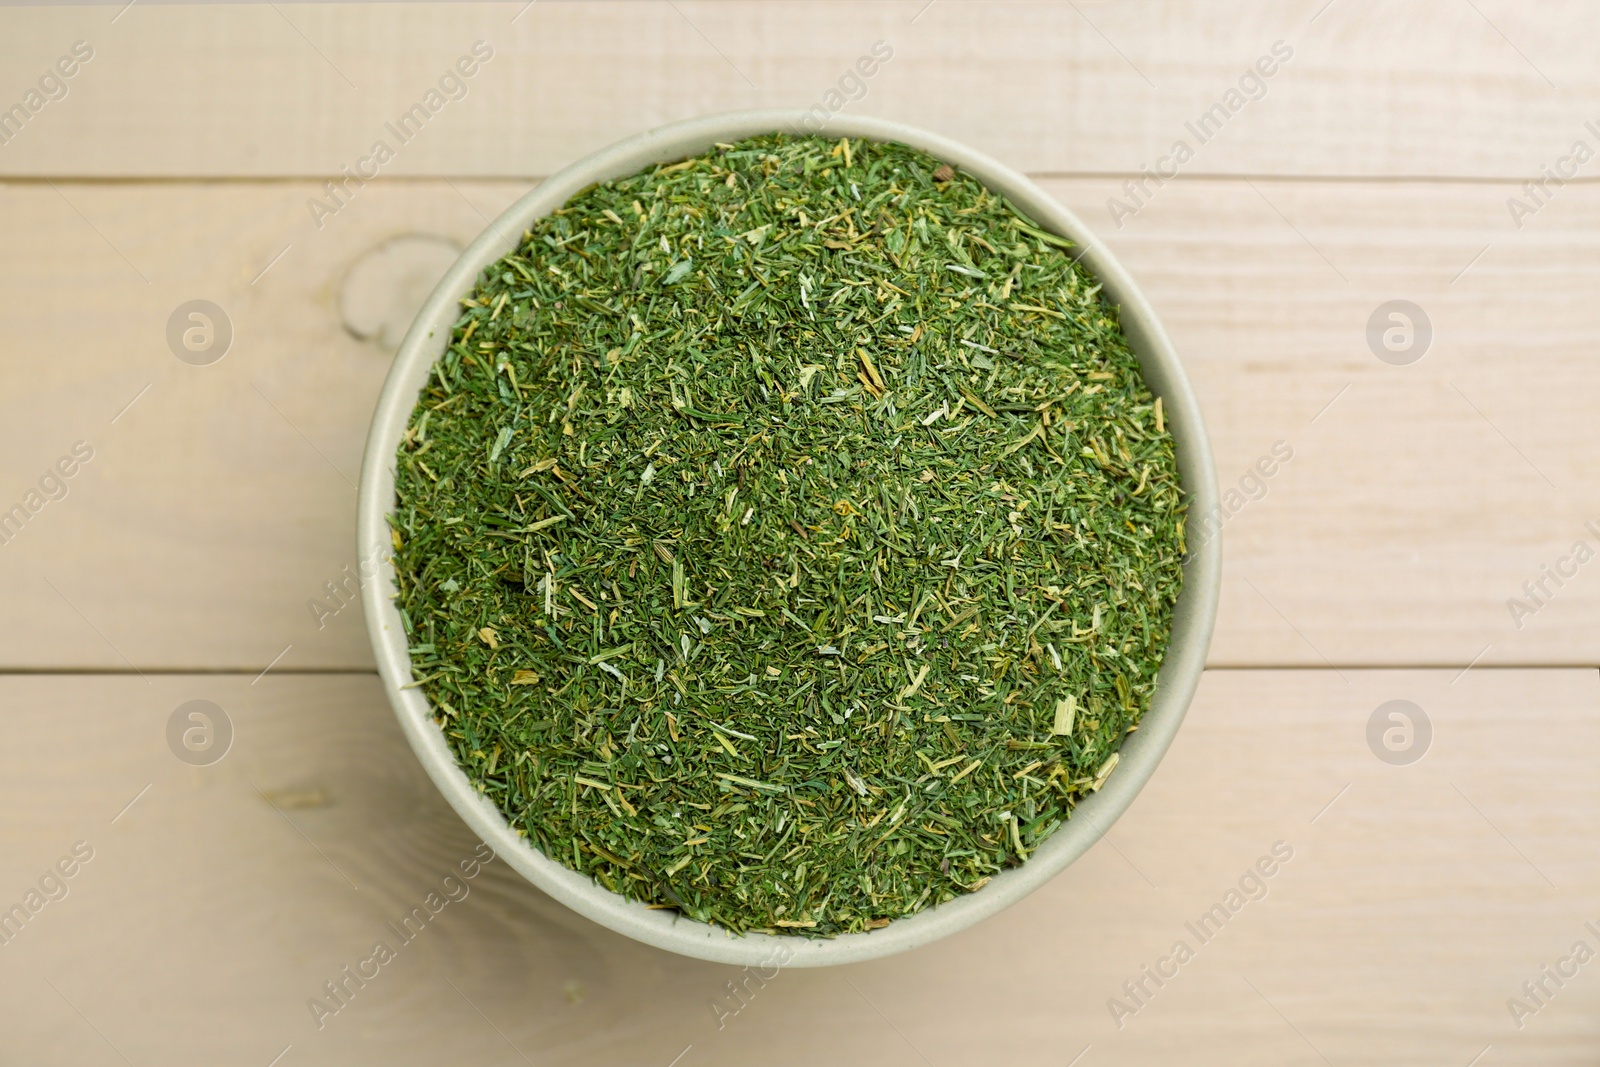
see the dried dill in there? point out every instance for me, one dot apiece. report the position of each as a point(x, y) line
point(786, 536)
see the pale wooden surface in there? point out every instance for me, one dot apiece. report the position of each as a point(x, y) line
point(1395, 536)
point(242, 90)
point(1376, 167)
point(1394, 935)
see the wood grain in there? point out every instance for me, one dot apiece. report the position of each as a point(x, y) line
point(1420, 498)
point(1417, 900)
point(222, 502)
point(1375, 88)
point(1378, 165)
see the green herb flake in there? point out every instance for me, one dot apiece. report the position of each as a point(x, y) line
point(786, 535)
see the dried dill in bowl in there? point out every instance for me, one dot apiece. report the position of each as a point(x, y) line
point(787, 536)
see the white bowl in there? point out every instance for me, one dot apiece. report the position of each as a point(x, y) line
point(1141, 751)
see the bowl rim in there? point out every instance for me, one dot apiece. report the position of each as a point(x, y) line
point(1193, 616)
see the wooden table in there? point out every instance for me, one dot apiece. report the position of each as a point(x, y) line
point(1383, 160)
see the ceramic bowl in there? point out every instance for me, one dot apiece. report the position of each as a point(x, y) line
point(1141, 751)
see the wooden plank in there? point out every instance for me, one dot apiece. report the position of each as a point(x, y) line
point(220, 504)
point(1420, 498)
point(1373, 88)
point(1417, 900)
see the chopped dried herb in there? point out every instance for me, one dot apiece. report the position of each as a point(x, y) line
point(786, 536)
